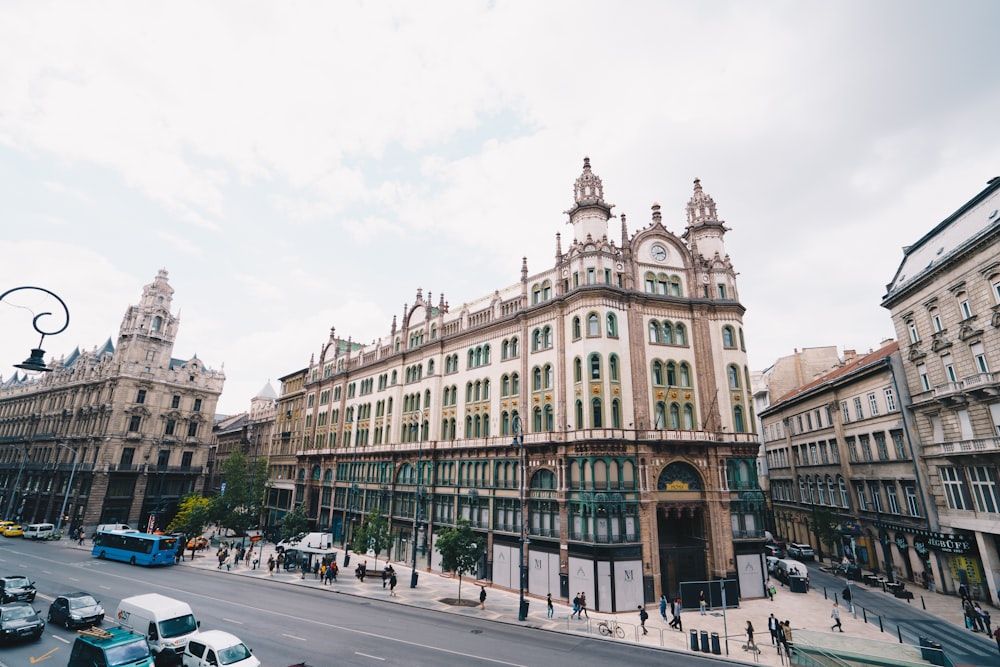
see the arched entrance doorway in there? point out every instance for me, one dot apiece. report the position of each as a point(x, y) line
point(680, 527)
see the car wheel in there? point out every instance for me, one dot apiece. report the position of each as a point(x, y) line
point(102, 555)
point(131, 561)
point(67, 624)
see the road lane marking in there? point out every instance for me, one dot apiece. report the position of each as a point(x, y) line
point(229, 620)
point(62, 639)
point(365, 655)
point(301, 639)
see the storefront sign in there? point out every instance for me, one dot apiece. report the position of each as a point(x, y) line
point(926, 540)
point(968, 566)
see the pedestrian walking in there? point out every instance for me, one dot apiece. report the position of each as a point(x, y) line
point(772, 626)
point(663, 607)
point(576, 606)
point(751, 644)
point(270, 565)
point(986, 621)
point(771, 590)
point(835, 615)
point(549, 609)
point(979, 618)
point(702, 603)
point(392, 584)
point(304, 568)
point(786, 633)
point(229, 561)
point(970, 615)
point(329, 574)
point(677, 615)
point(583, 606)
point(482, 597)
point(642, 619)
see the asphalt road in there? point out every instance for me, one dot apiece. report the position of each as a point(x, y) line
point(962, 646)
point(284, 624)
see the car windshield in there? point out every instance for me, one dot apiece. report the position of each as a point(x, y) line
point(228, 656)
point(81, 602)
point(127, 654)
point(177, 627)
point(17, 582)
point(18, 612)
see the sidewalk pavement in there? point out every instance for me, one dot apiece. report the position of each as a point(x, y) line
point(809, 611)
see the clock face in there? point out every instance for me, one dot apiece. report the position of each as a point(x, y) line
point(659, 252)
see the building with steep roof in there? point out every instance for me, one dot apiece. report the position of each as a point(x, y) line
point(945, 305)
point(130, 423)
point(619, 372)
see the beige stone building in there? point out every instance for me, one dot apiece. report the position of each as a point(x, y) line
point(619, 372)
point(945, 305)
point(842, 444)
point(136, 420)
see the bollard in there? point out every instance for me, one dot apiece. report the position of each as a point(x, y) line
point(716, 648)
point(704, 641)
point(694, 640)
point(900, 633)
point(880, 628)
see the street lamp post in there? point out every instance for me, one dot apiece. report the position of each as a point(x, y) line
point(35, 363)
point(69, 486)
point(419, 504)
point(522, 609)
point(17, 480)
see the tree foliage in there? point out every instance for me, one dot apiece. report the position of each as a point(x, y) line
point(240, 505)
point(373, 534)
point(192, 516)
point(826, 526)
point(460, 550)
point(295, 523)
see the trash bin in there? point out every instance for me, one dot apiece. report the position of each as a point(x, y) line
point(797, 584)
point(414, 578)
point(704, 641)
point(931, 651)
point(716, 648)
point(694, 640)
point(347, 559)
point(523, 609)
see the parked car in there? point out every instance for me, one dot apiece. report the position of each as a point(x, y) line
point(13, 530)
point(800, 551)
point(19, 620)
point(215, 647)
point(76, 610)
point(772, 562)
point(772, 550)
point(16, 588)
point(198, 543)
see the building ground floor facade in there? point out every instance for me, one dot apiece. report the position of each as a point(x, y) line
point(622, 522)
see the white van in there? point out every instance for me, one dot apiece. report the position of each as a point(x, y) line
point(39, 531)
point(786, 568)
point(109, 527)
point(166, 623)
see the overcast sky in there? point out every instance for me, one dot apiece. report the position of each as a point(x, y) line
point(297, 166)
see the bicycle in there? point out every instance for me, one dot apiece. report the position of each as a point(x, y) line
point(610, 627)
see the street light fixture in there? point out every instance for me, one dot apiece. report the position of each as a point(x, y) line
point(35, 363)
point(522, 609)
point(419, 505)
point(69, 486)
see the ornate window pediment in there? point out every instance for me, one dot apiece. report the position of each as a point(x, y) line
point(679, 476)
point(915, 353)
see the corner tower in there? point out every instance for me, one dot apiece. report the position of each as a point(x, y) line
point(590, 213)
point(148, 329)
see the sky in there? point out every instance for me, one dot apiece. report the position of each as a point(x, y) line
point(298, 166)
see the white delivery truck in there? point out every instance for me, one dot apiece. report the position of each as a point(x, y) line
point(166, 623)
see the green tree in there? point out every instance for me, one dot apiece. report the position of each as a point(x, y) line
point(826, 527)
point(373, 534)
point(239, 506)
point(295, 523)
point(460, 550)
point(192, 516)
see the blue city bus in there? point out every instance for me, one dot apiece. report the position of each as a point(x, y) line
point(136, 548)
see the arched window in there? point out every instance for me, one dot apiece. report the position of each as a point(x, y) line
point(657, 373)
point(547, 337)
point(728, 339)
point(505, 385)
point(468, 392)
point(547, 376)
point(577, 370)
point(738, 423)
point(505, 349)
point(549, 417)
point(616, 414)
point(668, 334)
point(579, 414)
point(515, 384)
point(613, 367)
point(688, 416)
point(593, 325)
point(430, 367)
point(157, 323)
point(546, 290)
point(650, 280)
point(675, 416)
point(536, 378)
point(472, 359)
point(671, 374)
point(675, 286)
point(654, 332)
point(612, 325)
point(536, 294)
point(680, 334)
point(536, 340)
point(576, 328)
point(595, 367)
point(513, 347)
point(734, 377)
point(486, 391)
point(685, 378)
point(660, 416)
point(486, 354)
point(536, 419)
point(597, 412)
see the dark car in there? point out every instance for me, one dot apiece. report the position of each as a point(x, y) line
point(19, 620)
point(16, 588)
point(76, 610)
point(774, 550)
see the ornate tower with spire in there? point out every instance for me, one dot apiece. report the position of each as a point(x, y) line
point(705, 232)
point(148, 329)
point(590, 213)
